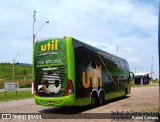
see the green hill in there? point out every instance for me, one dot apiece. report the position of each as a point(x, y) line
point(22, 72)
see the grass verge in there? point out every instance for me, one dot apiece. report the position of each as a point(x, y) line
point(11, 95)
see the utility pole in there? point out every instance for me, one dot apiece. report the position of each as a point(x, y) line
point(151, 69)
point(13, 69)
point(34, 20)
point(34, 37)
point(117, 49)
point(135, 70)
point(14, 66)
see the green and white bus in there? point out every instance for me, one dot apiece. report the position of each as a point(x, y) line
point(68, 72)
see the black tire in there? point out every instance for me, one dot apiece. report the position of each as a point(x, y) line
point(93, 101)
point(101, 99)
point(125, 94)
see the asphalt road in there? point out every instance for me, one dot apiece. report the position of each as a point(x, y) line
point(145, 99)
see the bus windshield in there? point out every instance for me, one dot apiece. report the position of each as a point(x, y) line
point(50, 62)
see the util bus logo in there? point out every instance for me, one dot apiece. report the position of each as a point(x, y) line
point(92, 77)
point(50, 46)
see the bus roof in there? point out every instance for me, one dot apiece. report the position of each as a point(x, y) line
point(97, 49)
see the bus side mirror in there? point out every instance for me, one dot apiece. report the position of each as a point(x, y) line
point(131, 74)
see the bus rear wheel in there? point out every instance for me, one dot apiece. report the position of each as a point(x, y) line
point(125, 94)
point(101, 99)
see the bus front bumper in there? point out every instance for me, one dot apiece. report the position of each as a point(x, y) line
point(51, 101)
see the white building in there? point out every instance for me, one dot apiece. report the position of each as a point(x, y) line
point(141, 78)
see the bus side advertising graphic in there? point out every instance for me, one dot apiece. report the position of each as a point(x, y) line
point(99, 72)
point(69, 72)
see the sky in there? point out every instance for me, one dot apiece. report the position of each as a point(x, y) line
point(130, 25)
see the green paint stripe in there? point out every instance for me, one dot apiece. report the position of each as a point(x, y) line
point(71, 63)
